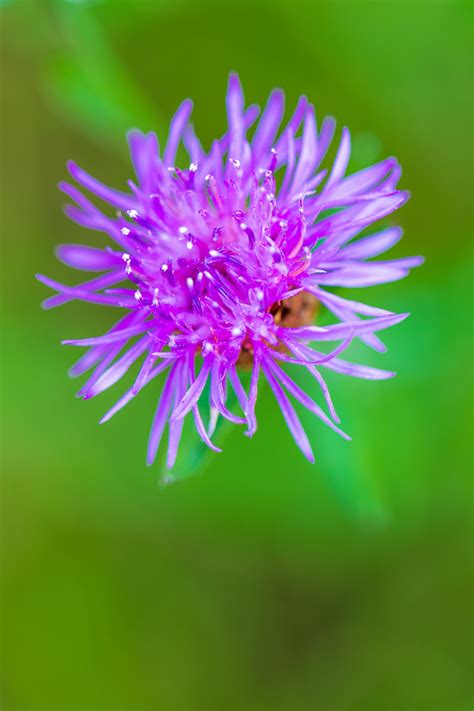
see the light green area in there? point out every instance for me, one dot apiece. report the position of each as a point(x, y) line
point(262, 583)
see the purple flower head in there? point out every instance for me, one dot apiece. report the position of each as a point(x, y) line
point(221, 266)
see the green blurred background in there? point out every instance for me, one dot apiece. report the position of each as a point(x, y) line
point(262, 583)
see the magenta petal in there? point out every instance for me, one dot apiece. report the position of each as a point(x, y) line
point(123, 334)
point(357, 371)
point(192, 396)
point(362, 275)
point(295, 122)
point(176, 426)
point(235, 104)
point(177, 126)
point(93, 285)
point(83, 294)
point(342, 330)
point(303, 398)
point(201, 430)
point(144, 151)
point(118, 369)
point(130, 394)
point(160, 418)
point(89, 259)
point(372, 246)
point(341, 161)
point(219, 398)
point(94, 354)
point(288, 412)
point(268, 126)
point(252, 399)
point(365, 180)
point(114, 197)
point(308, 157)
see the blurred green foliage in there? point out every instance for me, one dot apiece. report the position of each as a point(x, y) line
point(265, 583)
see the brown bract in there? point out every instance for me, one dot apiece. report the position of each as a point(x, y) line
point(298, 310)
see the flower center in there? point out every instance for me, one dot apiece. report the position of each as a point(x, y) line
point(298, 310)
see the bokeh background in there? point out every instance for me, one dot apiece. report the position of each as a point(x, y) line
point(262, 582)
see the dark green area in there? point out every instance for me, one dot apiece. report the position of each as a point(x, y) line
point(262, 583)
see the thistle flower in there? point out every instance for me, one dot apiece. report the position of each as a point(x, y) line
point(225, 270)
